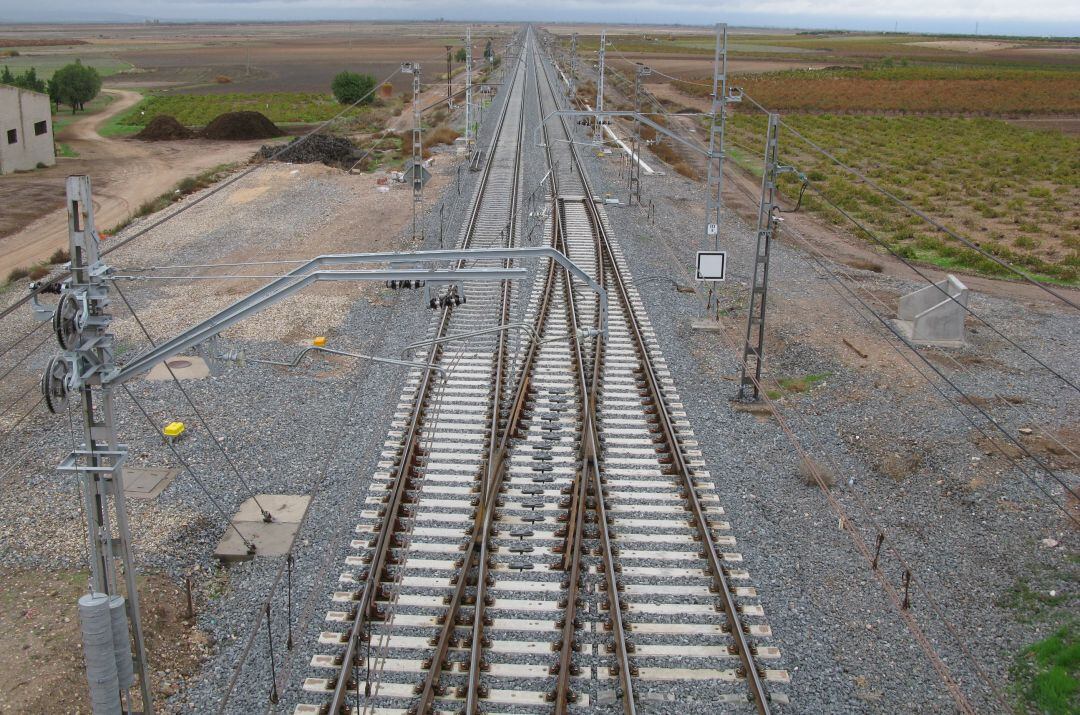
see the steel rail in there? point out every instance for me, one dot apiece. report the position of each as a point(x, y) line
point(402, 479)
point(748, 668)
point(429, 688)
point(588, 475)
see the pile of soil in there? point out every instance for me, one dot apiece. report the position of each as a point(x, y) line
point(330, 150)
point(164, 127)
point(241, 125)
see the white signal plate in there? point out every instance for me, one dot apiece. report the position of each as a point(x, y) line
point(711, 265)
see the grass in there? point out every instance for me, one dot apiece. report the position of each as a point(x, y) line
point(46, 65)
point(1046, 674)
point(793, 385)
point(64, 117)
point(1014, 192)
point(66, 151)
point(196, 110)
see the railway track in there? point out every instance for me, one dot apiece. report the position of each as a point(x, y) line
point(542, 534)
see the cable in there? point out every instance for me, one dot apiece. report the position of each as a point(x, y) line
point(9, 348)
point(881, 242)
point(21, 419)
point(24, 358)
point(925, 217)
point(970, 401)
point(973, 423)
point(187, 467)
point(202, 197)
point(198, 414)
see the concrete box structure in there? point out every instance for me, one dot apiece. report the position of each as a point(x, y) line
point(934, 315)
point(26, 135)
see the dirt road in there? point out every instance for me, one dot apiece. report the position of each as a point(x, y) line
point(125, 173)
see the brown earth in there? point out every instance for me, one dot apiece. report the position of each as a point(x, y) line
point(241, 125)
point(164, 127)
point(125, 173)
point(41, 663)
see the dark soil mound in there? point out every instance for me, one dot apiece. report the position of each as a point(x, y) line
point(241, 125)
point(162, 128)
point(330, 150)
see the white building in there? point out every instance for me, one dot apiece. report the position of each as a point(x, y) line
point(26, 136)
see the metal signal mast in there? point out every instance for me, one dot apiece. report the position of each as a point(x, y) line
point(598, 133)
point(468, 86)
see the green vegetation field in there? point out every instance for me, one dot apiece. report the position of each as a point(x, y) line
point(911, 90)
point(1016, 192)
point(200, 109)
point(47, 65)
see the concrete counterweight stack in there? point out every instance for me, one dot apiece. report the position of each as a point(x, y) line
point(107, 650)
point(125, 666)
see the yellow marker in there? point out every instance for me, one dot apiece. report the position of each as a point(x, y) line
point(173, 429)
point(319, 341)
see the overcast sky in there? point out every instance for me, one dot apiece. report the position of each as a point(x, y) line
point(1042, 17)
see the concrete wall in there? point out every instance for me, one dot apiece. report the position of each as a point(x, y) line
point(21, 112)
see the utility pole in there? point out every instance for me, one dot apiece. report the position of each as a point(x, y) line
point(416, 168)
point(754, 346)
point(714, 180)
point(572, 87)
point(468, 87)
point(449, 71)
point(81, 323)
point(598, 133)
point(634, 174)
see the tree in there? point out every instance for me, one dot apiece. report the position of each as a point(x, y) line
point(488, 52)
point(75, 85)
point(353, 87)
point(461, 55)
point(26, 80)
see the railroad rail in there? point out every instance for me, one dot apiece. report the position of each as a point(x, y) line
point(546, 480)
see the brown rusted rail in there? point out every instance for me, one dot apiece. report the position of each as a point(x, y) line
point(391, 513)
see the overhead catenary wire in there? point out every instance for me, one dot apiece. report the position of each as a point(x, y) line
point(936, 661)
point(988, 417)
point(922, 274)
point(966, 308)
point(847, 525)
point(15, 344)
point(884, 244)
point(187, 467)
point(892, 550)
point(203, 197)
point(927, 218)
point(191, 402)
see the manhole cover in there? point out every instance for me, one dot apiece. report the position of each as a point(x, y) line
point(177, 364)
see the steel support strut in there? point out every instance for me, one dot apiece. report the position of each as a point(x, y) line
point(753, 358)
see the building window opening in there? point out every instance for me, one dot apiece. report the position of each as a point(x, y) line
point(41, 127)
point(12, 136)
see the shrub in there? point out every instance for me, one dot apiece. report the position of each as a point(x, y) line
point(17, 274)
point(352, 87)
point(439, 135)
point(811, 470)
point(60, 255)
point(223, 79)
point(39, 271)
